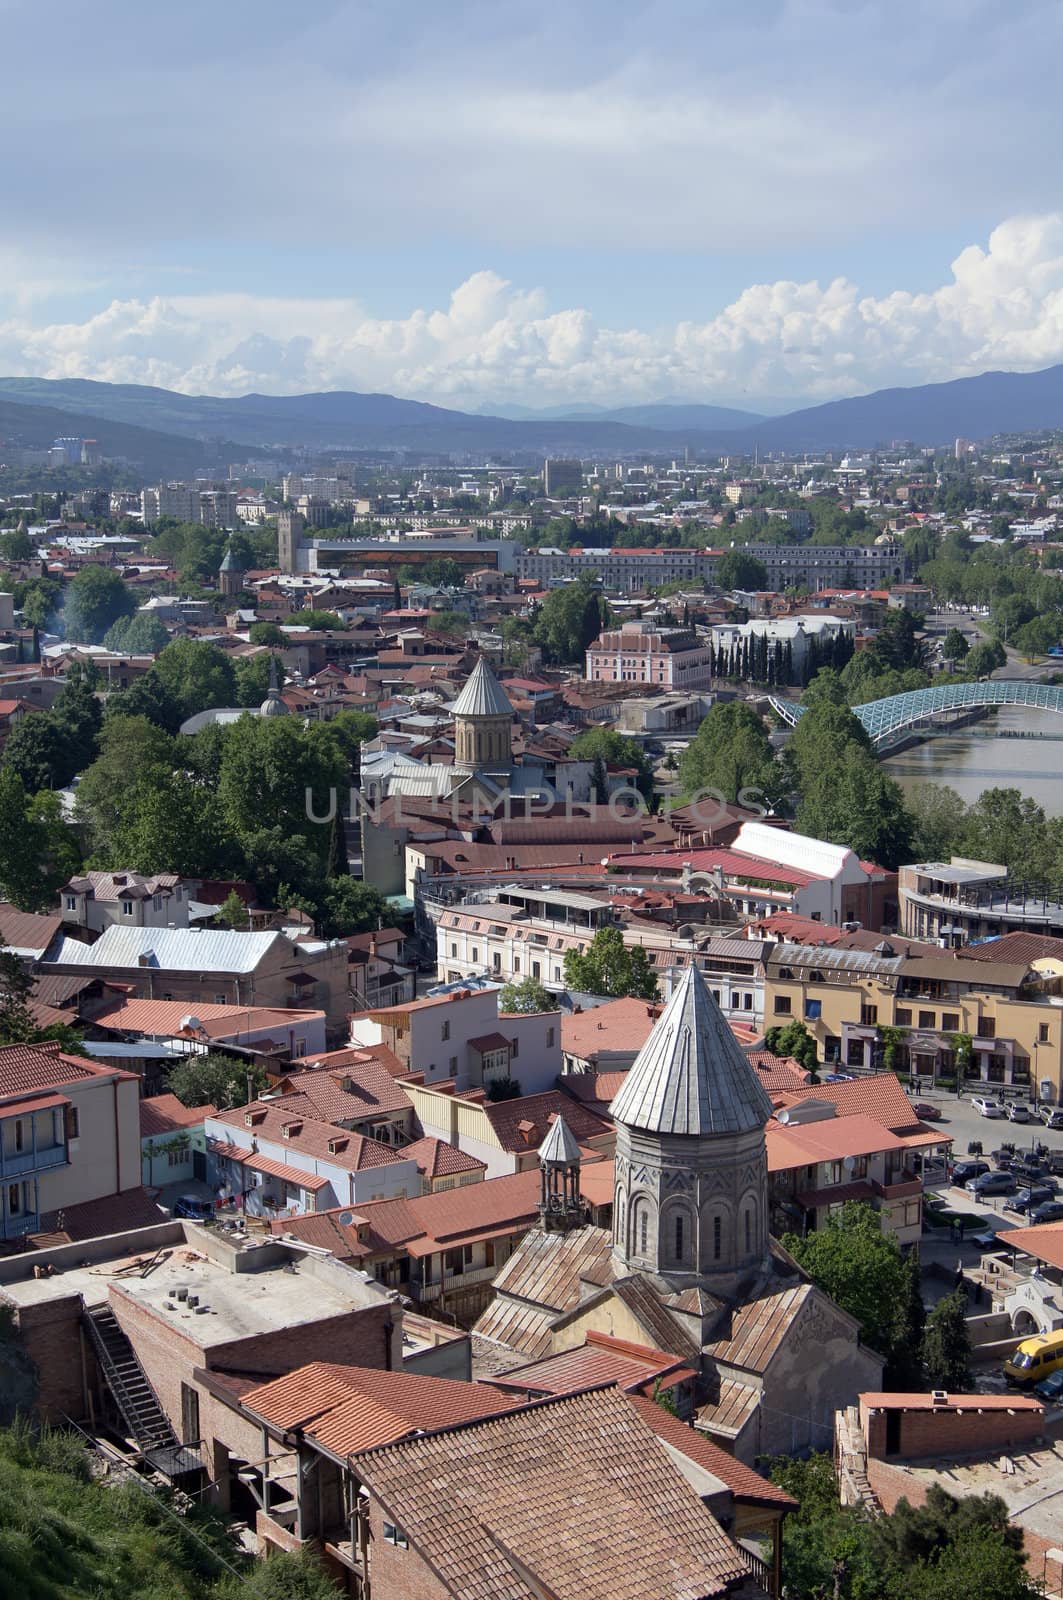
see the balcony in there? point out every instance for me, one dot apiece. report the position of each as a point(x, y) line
point(904, 1186)
point(17, 1163)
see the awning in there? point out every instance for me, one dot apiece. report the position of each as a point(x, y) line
point(293, 1175)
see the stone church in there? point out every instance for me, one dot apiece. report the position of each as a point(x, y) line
point(689, 1266)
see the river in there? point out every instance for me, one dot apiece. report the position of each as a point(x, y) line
point(969, 762)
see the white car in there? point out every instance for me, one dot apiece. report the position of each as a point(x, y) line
point(1019, 1111)
point(986, 1106)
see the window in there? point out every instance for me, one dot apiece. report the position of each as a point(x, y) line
point(1042, 1033)
point(219, 999)
point(453, 1066)
point(70, 901)
point(127, 907)
point(496, 960)
point(73, 1122)
point(747, 1002)
point(14, 1199)
point(445, 1033)
point(679, 1238)
point(717, 1238)
point(549, 1038)
point(782, 1005)
point(950, 1021)
point(19, 1134)
point(813, 1010)
point(557, 974)
point(927, 1019)
point(299, 1047)
point(904, 1017)
point(189, 1414)
point(644, 1230)
point(868, 1015)
point(537, 970)
point(394, 1535)
point(453, 952)
point(175, 1158)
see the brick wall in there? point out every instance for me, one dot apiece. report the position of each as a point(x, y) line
point(51, 1333)
point(398, 1574)
point(947, 1432)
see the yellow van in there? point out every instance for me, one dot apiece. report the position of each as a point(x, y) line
point(1034, 1359)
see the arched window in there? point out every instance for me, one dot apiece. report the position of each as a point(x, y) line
point(680, 1241)
point(644, 1230)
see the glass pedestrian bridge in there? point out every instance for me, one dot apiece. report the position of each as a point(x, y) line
point(887, 719)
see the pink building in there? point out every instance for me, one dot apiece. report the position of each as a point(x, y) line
point(641, 652)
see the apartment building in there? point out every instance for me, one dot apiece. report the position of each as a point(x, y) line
point(640, 652)
point(458, 1036)
point(791, 633)
point(97, 900)
point(69, 1134)
point(959, 901)
point(938, 1016)
point(788, 566)
point(197, 965)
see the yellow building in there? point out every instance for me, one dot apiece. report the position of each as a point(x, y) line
point(1000, 1023)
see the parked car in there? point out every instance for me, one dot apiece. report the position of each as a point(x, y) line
point(964, 1171)
point(838, 1077)
point(1050, 1211)
point(1050, 1389)
point(190, 1205)
point(986, 1106)
point(991, 1183)
point(1052, 1116)
point(925, 1111)
point(1019, 1111)
point(1029, 1199)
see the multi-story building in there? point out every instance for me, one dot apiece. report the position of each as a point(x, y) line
point(795, 566)
point(940, 1016)
point(792, 633)
point(96, 900)
point(640, 652)
point(562, 477)
point(69, 1133)
point(961, 900)
point(217, 508)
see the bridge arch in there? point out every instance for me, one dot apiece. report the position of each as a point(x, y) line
point(885, 719)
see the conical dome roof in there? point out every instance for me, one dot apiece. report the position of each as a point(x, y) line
point(559, 1148)
point(691, 1076)
point(482, 695)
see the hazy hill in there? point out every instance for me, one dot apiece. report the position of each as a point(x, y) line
point(141, 422)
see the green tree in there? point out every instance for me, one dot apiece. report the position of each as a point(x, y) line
point(730, 754)
point(196, 676)
point(569, 619)
point(862, 1269)
point(266, 633)
point(1005, 826)
point(95, 599)
point(139, 635)
point(214, 1079)
point(19, 864)
point(16, 545)
point(609, 968)
point(77, 716)
point(34, 750)
point(350, 906)
point(441, 573)
point(270, 767)
point(985, 658)
point(322, 621)
point(17, 1023)
point(233, 912)
point(134, 755)
point(736, 569)
point(947, 1345)
point(955, 645)
point(337, 865)
point(793, 1039)
point(56, 844)
point(252, 679)
point(606, 745)
point(526, 996)
point(939, 817)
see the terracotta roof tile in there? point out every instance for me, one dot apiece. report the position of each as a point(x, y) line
point(879, 1095)
point(437, 1159)
point(573, 1497)
point(523, 1124)
point(164, 1114)
point(45, 1066)
point(313, 1137)
point(348, 1093)
point(746, 1485)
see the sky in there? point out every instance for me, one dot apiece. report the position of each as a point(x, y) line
point(484, 202)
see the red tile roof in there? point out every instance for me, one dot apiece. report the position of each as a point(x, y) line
point(286, 1172)
point(164, 1114)
point(523, 1124)
point(345, 1094)
point(879, 1095)
point(313, 1138)
point(46, 1066)
point(159, 1017)
point(437, 1159)
point(832, 1139)
point(733, 864)
point(747, 1486)
point(617, 1025)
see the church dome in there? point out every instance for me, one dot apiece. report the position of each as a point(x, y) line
point(691, 1076)
point(273, 705)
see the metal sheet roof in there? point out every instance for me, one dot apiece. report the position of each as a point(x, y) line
point(692, 1076)
point(482, 696)
point(195, 950)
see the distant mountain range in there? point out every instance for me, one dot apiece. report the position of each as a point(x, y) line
point(166, 432)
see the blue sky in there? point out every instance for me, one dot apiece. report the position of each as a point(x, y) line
point(475, 202)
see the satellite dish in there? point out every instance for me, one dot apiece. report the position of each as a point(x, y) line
point(346, 1218)
point(849, 1163)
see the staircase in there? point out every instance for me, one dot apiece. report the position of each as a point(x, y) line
point(133, 1394)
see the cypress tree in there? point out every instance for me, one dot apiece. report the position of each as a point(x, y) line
point(338, 865)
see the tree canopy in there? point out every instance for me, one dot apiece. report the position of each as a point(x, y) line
point(569, 619)
point(862, 1269)
point(95, 599)
point(731, 754)
point(737, 569)
point(528, 995)
point(611, 748)
point(608, 967)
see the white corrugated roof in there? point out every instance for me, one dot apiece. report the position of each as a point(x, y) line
point(792, 849)
point(170, 949)
point(483, 695)
point(692, 1076)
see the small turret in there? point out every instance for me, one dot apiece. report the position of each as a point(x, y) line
point(560, 1206)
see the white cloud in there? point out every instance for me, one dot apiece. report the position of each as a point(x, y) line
point(1001, 306)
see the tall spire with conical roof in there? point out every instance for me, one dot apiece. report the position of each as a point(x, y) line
point(692, 1076)
point(483, 723)
point(691, 1200)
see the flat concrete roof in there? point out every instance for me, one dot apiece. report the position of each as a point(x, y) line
point(289, 1288)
